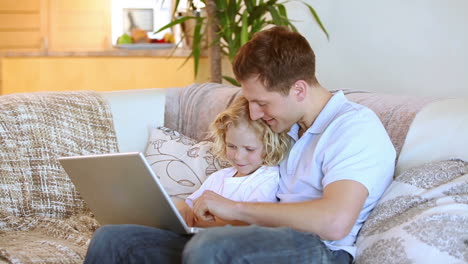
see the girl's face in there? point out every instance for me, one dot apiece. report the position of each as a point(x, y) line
point(244, 149)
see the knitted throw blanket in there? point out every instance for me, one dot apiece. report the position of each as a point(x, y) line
point(40, 210)
point(191, 109)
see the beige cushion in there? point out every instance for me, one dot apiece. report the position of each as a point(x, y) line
point(421, 218)
point(439, 132)
point(180, 162)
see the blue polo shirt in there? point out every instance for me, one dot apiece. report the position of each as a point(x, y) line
point(347, 141)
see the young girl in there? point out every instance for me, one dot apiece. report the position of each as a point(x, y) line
point(253, 150)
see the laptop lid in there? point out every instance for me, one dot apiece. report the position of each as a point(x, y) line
point(121, 188)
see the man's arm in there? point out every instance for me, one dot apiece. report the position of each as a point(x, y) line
point(191, 220)
point(331, 217)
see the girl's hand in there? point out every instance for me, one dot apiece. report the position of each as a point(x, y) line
point(186, 212)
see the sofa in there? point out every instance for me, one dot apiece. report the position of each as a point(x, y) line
point(421, 218)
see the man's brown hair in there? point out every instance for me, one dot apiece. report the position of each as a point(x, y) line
point(279, 57)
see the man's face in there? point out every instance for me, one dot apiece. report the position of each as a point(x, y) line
point(278, 111)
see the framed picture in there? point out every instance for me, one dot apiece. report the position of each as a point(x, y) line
point(142, 18)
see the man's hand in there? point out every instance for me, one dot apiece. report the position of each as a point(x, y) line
point(211, 204)
point(331, 217)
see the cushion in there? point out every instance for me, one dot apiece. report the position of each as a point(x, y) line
point(438, 132)
point(181, 163)
point(421, 218)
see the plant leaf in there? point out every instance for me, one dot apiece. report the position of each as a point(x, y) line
point(291, 26)
point(317, 19)
point(176, 22)
point(249, 5)
point(231, 80)
point(196, 43)
point(239, 20)
point(282, 11)
point(275, 16)
point(244, 32)
point(221, 4)
point(176, 6)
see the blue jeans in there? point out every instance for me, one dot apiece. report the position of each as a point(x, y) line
point(250, 244)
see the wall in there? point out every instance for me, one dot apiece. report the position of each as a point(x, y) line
point(400, 46)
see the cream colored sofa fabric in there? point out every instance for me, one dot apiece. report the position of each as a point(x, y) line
point(135, 113)
point(421, 218)
point(439, 132)
point(423, 215)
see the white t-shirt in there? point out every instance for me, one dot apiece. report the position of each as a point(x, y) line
point(260, 186)
point(346, 141)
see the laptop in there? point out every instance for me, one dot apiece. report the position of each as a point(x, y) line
point(121, 188)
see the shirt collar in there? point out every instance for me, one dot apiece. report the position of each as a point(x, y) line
point(324, 118)
point(294, 132)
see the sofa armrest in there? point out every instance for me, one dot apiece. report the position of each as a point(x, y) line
point(134, 113)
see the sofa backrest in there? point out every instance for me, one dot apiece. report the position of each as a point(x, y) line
point(134, 113)
point(191, 109)
point(395, 111)
point(439, 132)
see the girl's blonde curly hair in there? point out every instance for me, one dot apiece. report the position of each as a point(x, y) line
point(275, 145)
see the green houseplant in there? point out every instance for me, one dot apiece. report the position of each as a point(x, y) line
point(230, 24)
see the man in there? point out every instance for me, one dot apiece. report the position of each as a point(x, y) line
point(340, 164)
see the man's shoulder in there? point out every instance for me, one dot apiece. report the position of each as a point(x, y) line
point(354, 114)
point(356, 109)
point(357, 125)
point(343, 105)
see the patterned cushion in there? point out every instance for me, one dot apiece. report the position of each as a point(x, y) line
point(421, 218)
point(180, 162)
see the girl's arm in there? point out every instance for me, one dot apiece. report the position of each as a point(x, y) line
point(186, 212)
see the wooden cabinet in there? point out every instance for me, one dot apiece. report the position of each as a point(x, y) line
point(33, 74)
point(23, 25)
point(79, 25)
point(55, 25)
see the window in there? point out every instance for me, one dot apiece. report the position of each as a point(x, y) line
point(149, 15)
